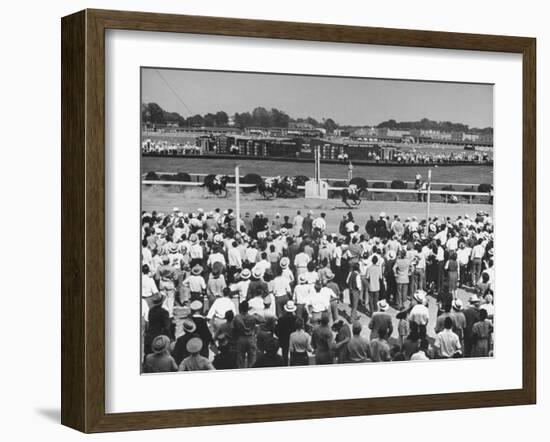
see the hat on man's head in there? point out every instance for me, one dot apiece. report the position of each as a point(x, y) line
point(194, 345)
point(391, 255)
point(160, 344)
point(329, 275)
point(382, 214)
point(474, 299)
point(420, 296)
point(383, 305)
point(284, 262)
point(173, 248)
point(257, 272)
point(457, 304)
point(193, 238)
point(158, 298)
point(189, 326)
point(302, 278)
point(290, 306)
point(196, 305)
point(245, 274)
point(196, 270)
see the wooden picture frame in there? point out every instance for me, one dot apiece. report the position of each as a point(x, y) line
point(83, 219)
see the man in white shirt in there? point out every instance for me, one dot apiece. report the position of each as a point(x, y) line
point(301, 261)
point(420, 312)
point(320, 222)
point(280, 287)
point(447, 344)
point(297, 223)
point(478, 252)
point(148, 286)
point(216, 256)
point(320, 302)
point(463, 258)
point(234, 259)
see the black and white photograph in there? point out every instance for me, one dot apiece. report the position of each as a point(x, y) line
point(298, 220)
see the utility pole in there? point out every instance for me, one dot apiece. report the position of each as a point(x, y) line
point(237, 198)
point(428, 201)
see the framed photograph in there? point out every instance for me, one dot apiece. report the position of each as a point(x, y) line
point(266, 221)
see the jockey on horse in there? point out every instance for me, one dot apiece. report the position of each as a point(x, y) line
point(351, 193)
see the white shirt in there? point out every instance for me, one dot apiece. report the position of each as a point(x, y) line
point(301, 259)
point(220, 307)
point(419, 356)
point(478, 251)
point(302, 294)
point(463, 255)
point(251, 254)
point(148, 286)
point(281, 286)
point(195, 251)
point(420, 314)
point(452, 243)
point(241, 288)
point(147, 256)
point(234, 257)
point(319, 223)
point(195, 283)
point(215, 257)
point(447, 342)
point(320, 301)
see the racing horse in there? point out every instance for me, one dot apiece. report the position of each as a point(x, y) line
point(357, 188)
point(216, 184)
point(353, 196)
point(268, 188)
point(286, 187)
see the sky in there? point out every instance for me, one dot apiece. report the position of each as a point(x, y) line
point(348, 101)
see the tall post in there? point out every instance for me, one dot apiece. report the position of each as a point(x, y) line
point(318, 167)
point(428, 200)
point(237, 198)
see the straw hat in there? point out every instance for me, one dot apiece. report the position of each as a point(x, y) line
point(158, 298)
point(284, 262)
point(474, 299)
point(194, 345)
point(383, 305)
point(457, 304)
point(290, 306)
point(196, 270)
point(245, 274)
point(189, 326)
point(160, 344)
point(196, 305)
point(257, 272)
point(420, 296)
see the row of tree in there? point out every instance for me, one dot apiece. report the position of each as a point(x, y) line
point(261, 117)
point(152, 113)
point(426, 124)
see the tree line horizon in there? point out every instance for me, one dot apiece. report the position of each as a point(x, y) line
point(153, 113)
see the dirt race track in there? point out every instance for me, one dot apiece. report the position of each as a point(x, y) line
point(164, 199)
